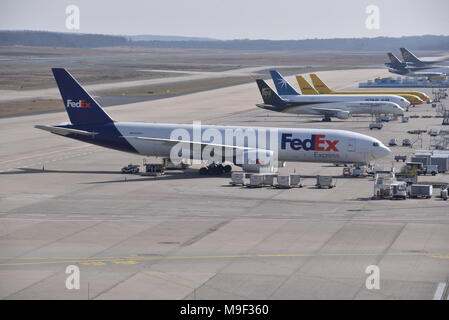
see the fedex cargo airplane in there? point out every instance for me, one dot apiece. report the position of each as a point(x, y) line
point(339, 106)
point(91, 124)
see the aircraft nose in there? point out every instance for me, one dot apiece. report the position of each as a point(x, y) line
point(383, 151)
point(380, 151)
point(400, 111)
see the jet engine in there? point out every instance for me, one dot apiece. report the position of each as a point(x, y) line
point(342, 115)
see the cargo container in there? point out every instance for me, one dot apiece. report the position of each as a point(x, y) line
point(423, 159)
point(268, 179)
point(325, 182)
point(441, 162)
point(284, 181)
point(237, 178)
point(256, 180)
point(295, 180)
point(421, 191)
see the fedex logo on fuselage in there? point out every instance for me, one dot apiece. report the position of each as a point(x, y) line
point(317, 142)
point(78, 104)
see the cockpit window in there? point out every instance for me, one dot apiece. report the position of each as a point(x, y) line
point(375, 144)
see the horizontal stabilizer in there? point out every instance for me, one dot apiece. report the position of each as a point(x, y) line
point(266, 106)
point(65, 131)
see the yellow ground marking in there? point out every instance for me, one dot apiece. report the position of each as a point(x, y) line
point(440, 256)
point(125, 262)
point(93, 263)
point(138, 259)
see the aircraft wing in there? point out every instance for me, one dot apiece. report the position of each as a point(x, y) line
point(202, 144)
point(327, 111)
point(65, 131)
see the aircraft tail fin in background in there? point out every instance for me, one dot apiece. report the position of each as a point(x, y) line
point(282, 86)
point(80, 106)
point(394, 60)
point(306, 87)
point(268, 95)
point(319, 85)
point(409, 57)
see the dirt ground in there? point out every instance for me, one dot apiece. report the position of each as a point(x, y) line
point(26, 68)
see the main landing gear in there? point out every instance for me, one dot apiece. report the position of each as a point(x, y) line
point(215, 169)
point(326, 119)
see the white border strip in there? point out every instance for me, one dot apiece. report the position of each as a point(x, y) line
point(439, 291)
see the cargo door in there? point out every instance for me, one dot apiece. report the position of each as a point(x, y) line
point(351, 145)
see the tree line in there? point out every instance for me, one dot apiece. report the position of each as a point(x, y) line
point(78, 40)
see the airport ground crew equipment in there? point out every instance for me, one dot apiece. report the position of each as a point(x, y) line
point(284, 182)
point(153, 169)
point(409, 172)
point(355, 171)
point(393, 142)
point(237, 178)
point(428, 169)
point(131, 168)
point(295, 180)
point(399, 190)
point(169, 165)
point(325, 182)
point(256, 180)
point(383, 181)
point(444, 193)
point(440, 161)
point(288, 181)
point(376, 125)
point(406, 143)
point(421, 191)
point(268, 179)
point(400, 158)
point(216, 169)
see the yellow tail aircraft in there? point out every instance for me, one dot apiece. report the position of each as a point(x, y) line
point(414, 97)
point(321, 88)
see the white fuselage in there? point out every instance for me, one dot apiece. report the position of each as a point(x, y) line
point(289, 144)
point(353, 103)
point(349, 97)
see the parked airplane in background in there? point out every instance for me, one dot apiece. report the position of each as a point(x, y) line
point(285, 90)
point(411, 60)
point(397, 64)
point(394, 61)
point(322, 104)
point(91, 124)
point(414, 67)
point(431, 73)
point(414, 97)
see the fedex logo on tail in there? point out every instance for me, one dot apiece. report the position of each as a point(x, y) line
point(78, 104)
point(317, 142)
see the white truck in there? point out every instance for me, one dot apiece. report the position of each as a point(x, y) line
point(399, 190)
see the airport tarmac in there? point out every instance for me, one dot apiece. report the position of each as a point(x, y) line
point(185, 236)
